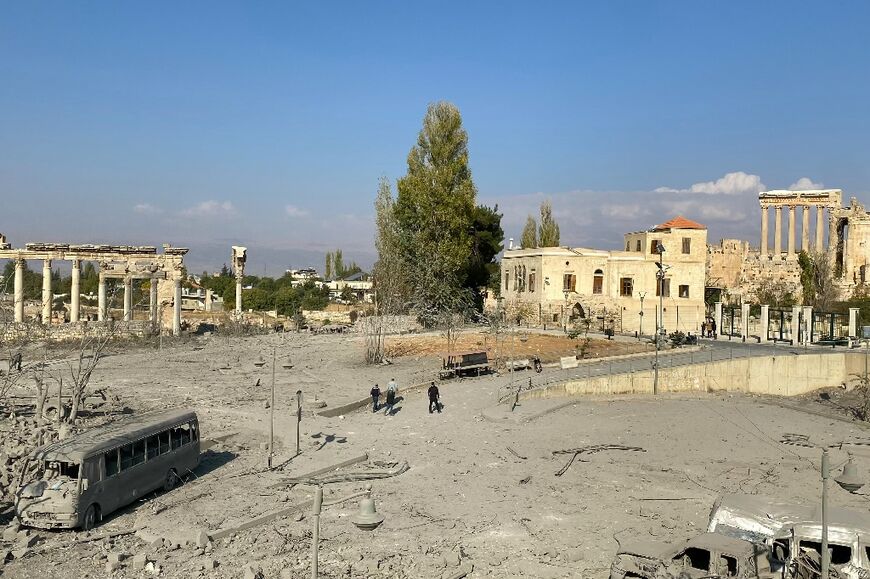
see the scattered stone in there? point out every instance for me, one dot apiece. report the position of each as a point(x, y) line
point(28, 541)
point(299, 516)
point(252, 572)
point(117, 557)
point(11, 532)
point(153, 568)
point(112, 566)
point(20, 553)
point(202, 539)
point(156, 544)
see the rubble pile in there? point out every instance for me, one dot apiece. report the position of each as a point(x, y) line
point(20, 436)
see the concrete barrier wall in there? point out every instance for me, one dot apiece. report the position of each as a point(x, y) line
point(786, 375)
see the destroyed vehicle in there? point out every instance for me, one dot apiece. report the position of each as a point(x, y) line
point(77, 481)
point(464, 364)
point(794, 533)
point(709, 556)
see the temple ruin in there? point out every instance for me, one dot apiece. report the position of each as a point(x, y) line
point(124, 262)
point(840, 232)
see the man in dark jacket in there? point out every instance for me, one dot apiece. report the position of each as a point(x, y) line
point(434, 398)
point(376, 395)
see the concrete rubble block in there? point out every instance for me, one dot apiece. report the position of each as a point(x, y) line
point(252, 572)
point(117, 557)
point(140, 560)
point(26, 541)
point(11, 532)
point(153, 568)
point(202, 539)
point(20, 553)
point(112, 566)
point(156, 544)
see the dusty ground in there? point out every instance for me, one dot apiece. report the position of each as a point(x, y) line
point(466, 498)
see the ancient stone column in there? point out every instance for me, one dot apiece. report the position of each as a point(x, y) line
point(805, 230)
point(777, 233)
point(75, 291)
point(46, 292)
point(791, 230)
point(128, 298)
point(820, 232)
point(208, 297)
point(18, 295)
point(744, 321)
point(853, 322)
point(152, 306)
point(176, 309)
point(764, 221)
point(717, 317)
point(238, 295)
point(101, 296)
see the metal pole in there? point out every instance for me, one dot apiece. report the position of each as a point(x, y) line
point(298, 418)
point(315, 532)
point(272, 413)
point(660, 317)
point(825, 474)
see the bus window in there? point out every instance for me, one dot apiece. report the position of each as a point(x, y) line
point(112, 465)
point(126, 456)
point(194, 435)
point(153, 442)
point(61, 469)
point(185, 433)
point(138, 451)
point(164, 442)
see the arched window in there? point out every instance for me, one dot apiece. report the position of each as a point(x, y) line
point(598, 282)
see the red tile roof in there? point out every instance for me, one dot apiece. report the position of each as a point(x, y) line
point(679, 222)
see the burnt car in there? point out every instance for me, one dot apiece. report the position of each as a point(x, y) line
point(708, 556)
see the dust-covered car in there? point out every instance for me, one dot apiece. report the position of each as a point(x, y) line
point(706, 556)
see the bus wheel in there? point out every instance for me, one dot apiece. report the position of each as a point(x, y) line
point(171, 480)
point(90, 519)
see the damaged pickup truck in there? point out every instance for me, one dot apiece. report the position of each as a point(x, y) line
point(706, 556)
point(75, 482)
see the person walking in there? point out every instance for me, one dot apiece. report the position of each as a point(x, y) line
point(392, 390)
point(434, 398)
point(376, 396)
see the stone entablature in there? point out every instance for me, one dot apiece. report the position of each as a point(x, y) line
point(115, 261)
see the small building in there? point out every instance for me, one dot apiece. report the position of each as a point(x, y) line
point(611, 290)
point(359, 284)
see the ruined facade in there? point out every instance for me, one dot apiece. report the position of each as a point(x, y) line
point(125, 262)
point(841, 233)
point(616, 290)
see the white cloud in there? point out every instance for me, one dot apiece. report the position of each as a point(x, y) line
point(293, 211)
point(735, 183)
point(805, 183)
point(623, 211)
point(147, 209)
point(210, 208)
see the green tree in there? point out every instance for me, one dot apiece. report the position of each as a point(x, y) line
point(338, 264)
point(486, 242)
point(389, 275)
point(529, 238)
point(548, 235)
point(434, 211)
point(327, 274)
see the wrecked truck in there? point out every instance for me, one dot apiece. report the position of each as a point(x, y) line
point(709, 555)
point(77, 481)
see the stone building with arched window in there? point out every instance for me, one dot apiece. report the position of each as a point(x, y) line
point(616, 290)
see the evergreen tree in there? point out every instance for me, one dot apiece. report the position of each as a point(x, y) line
point(434, 211)
point(390, 280)
point(327, 275)
point(529, 239)
point(338, 264)
point(549, 229)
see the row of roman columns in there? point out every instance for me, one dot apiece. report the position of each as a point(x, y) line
point(805, 230)
point(75, 293)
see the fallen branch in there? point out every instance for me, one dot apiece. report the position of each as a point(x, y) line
point(516, 454)
point(592, 449)
point(350, 477)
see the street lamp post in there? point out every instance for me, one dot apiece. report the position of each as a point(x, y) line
point(660, 323)
point(640, 329)
point(367, 518)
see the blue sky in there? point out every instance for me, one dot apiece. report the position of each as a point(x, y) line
point(209, 124)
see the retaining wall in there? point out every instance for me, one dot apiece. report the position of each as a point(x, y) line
point(786, 375)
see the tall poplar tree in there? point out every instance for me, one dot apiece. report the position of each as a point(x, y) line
point(549, 229)
point(529, 239)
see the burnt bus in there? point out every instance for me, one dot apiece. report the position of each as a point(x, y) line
point(77, 481)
